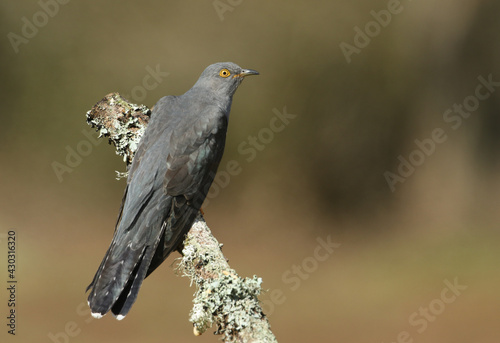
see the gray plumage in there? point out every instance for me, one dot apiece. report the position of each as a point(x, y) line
point(168, 181)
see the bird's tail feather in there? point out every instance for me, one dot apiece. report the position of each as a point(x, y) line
point(129, 293)
point(111, 279)
point(118, 279)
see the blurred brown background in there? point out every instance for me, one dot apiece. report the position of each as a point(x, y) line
point(322, 176)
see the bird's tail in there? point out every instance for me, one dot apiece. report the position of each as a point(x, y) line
point(129, 293)
point(127, 263)
point(116, 284)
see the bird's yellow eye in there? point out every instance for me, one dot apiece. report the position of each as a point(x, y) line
point(224, 73)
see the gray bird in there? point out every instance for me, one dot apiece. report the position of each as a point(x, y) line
point(168, 181)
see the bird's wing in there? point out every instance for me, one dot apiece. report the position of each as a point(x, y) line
point(192, 165)
point(137, 234)
point(194, 155)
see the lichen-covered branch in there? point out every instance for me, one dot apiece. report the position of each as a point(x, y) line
point(223, 298)
point(121, 121)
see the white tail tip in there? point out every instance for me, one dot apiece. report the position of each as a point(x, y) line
point(96, 315)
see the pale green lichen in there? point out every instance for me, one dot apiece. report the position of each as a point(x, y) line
point(230, 302)
point(222, 298)
point(124, 129)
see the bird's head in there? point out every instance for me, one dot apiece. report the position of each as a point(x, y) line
point(223, 78)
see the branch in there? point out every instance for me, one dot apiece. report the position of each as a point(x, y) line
point(222, 298)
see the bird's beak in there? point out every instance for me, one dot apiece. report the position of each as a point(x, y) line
point(246, 72)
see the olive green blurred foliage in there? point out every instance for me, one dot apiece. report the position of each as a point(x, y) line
point(323, 173)
point(353, 119)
